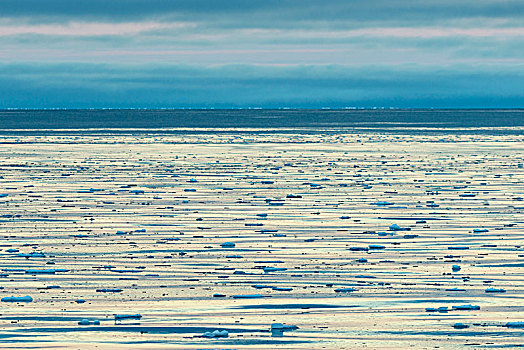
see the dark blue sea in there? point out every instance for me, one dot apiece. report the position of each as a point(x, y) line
point(398, 120)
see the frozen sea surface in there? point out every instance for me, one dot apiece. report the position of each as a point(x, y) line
point(354, 236)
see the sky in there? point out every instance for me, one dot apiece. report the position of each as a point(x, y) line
point(261, 53)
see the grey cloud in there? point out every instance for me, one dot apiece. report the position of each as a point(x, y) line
point(264, 13)
point(95, 85)
point(287, 25)
point(145, 68)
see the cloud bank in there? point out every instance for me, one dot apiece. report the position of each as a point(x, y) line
point(178, 86)
point(205, 53)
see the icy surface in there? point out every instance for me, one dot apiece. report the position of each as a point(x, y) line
point(358, 239)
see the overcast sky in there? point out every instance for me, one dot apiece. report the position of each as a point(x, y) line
point(254, 53)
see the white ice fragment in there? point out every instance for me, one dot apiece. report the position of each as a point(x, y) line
point(460, 325)
point(376, 246)
point(44, 271)
point(261, 286)
point(247, 296)
point(466, 307)
point(13, 299)
point(53, 287)
point(358, 249)
point(273, 269)
point(518, 324)
point(383, 234)
point(32, 255)
point(119, 317)
point(396, 227)
point(277, 329)
point(216, 334)
point(86, 322)
point(109, 290)
point(439, 309)
point(382, 203)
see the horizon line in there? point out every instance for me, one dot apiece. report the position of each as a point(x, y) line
point(250, 108)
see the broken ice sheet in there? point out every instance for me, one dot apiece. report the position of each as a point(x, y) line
point(199, 232)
